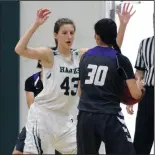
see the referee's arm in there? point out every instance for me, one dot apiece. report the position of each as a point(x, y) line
point(140, 65)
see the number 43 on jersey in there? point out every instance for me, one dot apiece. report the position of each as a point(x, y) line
point(66, 86)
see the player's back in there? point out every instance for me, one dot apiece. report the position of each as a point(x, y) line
point(100, 82)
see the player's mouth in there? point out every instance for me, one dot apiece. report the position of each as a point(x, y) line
point(69, 43)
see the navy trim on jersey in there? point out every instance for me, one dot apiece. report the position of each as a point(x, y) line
point(98, 51)
point(36, 75)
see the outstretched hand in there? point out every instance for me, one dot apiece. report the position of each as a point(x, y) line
point(42, 16)
point(126, 13)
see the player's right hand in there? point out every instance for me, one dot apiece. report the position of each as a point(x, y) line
point(129, 109)
point(42, 16)
point(140, 84)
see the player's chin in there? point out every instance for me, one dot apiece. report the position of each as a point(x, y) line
point(69, 46)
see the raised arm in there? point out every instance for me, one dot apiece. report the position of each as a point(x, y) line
point(34, 53)
point(124, 17)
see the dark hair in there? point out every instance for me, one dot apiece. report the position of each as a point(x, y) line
point(39, 65)
point(106, 29)
point(60, 22)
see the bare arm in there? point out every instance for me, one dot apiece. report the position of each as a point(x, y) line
point(124, 18)
point(79, 89)
point(120, 35)
point(135, 91)
point(34, 53)
point(126, 72)
point(29, 98)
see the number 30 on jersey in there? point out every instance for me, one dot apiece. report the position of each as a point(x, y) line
point(97, 75)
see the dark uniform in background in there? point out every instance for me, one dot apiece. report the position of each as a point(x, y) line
point(102, 74)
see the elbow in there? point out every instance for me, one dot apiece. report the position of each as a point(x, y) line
point(17, 50)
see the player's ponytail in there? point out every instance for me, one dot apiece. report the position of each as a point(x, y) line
point(116, 47)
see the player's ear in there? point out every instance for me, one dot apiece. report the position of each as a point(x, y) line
point(97, 38)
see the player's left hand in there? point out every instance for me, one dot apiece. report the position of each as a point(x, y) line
point(125, 14)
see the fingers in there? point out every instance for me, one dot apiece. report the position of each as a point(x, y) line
point(133, 13)
point(127, 10)
point(140, 84)
point(118, 12)
point(45, 18)
point(130, 110)
point(46, 13)
point(131, 9)
point(124, 6)
point(43, 12)
point(127, 7)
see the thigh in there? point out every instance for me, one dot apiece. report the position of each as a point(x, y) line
point(66, 144)
point(32, 140)
point(117, 136)
point(87, 140)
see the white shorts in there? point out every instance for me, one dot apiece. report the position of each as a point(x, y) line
point(47, 131)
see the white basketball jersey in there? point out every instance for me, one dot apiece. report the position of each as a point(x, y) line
point(60, 84)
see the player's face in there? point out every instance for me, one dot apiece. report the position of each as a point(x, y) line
point(65, 36)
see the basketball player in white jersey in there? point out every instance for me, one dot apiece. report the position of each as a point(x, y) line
point(49, 122)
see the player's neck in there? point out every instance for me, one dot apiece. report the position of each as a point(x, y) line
point(64, 52)
point(102, 44)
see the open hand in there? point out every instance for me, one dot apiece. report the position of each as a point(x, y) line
point(126, 13)
point(42, 16)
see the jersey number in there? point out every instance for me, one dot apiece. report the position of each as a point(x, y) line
point(97, 75)
point(65, 86)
